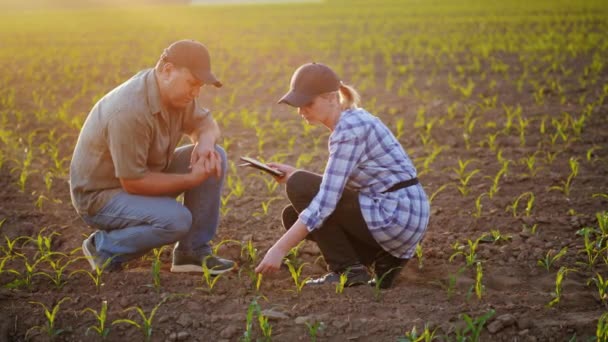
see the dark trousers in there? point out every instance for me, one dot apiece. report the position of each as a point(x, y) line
point(344, 239)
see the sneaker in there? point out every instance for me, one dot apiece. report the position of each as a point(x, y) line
point(356, 275)
point(190, 262)
point(95, 260)
point(387, 268)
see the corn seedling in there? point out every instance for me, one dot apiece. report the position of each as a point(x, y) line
point(250, 252)
point(378, 279)
point(565, 187)
point(266, 205)
point(602, 287)
point(10, 250)
point(296, 274)
point(95, 275)
point(418, 251)
point(28, 275)
point(208, 278)
point(412, 336)
point(469, 255)
point(216, 248)
point(495, 237)
point(101, 329)
point(530, 163)
point(51, 317)
point(436, 192)
point(557, 294)
point(550, 258)
point(592, 249)
point(253, 309)
point(463, 187)
point(265, 327)
point(601, 333)
point(293, 253)
point(58, 268)
point(342, 282)
point(156, 263)
point(529, 204)
point(314, 329)
point(146, 325)
point(479, 288)
point(473, 327)
point(478, 205)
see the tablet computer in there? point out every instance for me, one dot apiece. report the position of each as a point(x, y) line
point(261, 166)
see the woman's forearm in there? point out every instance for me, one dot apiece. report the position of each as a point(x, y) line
point(292, 237)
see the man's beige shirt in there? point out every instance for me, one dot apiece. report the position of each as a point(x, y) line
point(127, 133)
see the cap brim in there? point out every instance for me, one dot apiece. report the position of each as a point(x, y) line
point(209, 78)
point(296, 99)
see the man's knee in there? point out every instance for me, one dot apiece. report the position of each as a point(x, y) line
point(180, 221)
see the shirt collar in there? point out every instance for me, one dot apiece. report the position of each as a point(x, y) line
point(153, 93)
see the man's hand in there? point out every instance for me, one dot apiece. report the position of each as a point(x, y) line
point(205, 167)
point(207, 152)
point(287, 170)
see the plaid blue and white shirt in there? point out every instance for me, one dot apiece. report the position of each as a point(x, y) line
point(365, 156)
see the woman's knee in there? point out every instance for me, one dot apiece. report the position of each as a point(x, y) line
point(302, 186)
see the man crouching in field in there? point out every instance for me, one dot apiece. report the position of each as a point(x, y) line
point(126, 171)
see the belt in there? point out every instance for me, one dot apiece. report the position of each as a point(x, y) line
point(402, 185)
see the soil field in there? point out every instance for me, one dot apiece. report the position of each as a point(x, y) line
point(502, 107)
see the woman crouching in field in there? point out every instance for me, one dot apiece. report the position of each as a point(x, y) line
point(368, 208)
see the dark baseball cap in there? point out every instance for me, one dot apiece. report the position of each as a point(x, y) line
point(309, 81)
point(193, 55)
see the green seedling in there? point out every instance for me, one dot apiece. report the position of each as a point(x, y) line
point(567, 184)
point(378, 280)
point(58, 267)
point(602, 287)
point(469, 255)
point(529, 204)
point(474, 326)
point(146, 325)
point(478, 205)
point(10, 249)
point(28, 275)
point(252, 309)
point(463, 187)
point(479, 288)
point(265, 327)
point(557, 294)
point(216, 248)
point(296, 274)
point(593, 249)
point(156, 264)
point(413, 336)
point(314, 329)
point(418, 251)
point(250, 252)
point(101, 329)
point(530, 163)
point(342, 282)
point(51, 317)
point(293, 253)
point(601, 333)
point(532, 229)
point(436, 192)
point(449, 285)
point(208, 278)
point(43, 243)
point(550, 258)
point(95, 275)
point(495, 237)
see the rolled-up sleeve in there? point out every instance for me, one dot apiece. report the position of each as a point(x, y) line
point(345, 150)
point(128, 141)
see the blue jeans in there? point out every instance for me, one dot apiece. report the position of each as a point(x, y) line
point(128, 226)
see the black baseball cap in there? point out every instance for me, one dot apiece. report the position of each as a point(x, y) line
point(193, 55)
point(309, 81)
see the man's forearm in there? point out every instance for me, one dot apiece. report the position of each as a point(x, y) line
point(208, 134)
point(158, 183)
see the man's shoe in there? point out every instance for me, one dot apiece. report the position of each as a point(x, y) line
point(387, 269)
point(355, 275)
point(95, 259)
point(191, 262)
